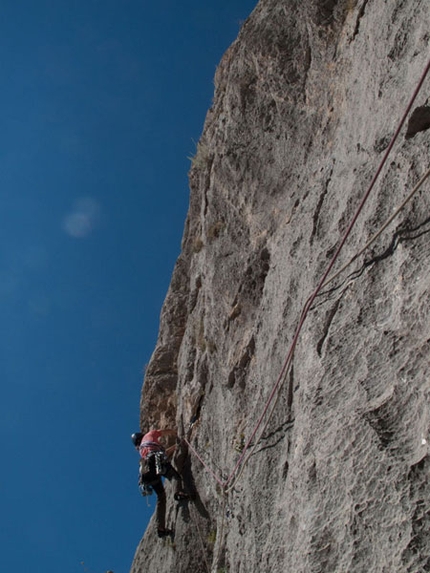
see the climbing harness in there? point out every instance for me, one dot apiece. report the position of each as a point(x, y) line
point(161, 462)
point(152, 446)
point(154, 465)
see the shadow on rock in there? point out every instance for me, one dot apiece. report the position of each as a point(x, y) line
point(183, 464)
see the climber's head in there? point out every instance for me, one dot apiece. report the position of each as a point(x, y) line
point(136, 438)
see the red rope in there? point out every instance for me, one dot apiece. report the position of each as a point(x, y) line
point(204, 464)
point(327, 272)
point(311, 299)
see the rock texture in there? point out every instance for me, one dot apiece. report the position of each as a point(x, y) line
point(306, 102)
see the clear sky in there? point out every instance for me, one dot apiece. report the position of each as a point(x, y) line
point(100, 102)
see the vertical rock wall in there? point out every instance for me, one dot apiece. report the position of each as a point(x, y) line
point(306, 102)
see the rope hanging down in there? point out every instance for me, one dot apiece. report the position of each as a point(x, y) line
point(381, 230)
point(245, 455)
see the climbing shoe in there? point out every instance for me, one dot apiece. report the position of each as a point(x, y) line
point(164, 533)
point(181, 496)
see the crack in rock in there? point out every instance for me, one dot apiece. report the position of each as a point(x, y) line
point(400, 236)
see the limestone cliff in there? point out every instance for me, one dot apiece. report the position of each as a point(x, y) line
point(306, 102)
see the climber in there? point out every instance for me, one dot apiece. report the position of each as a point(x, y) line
point(155, 463)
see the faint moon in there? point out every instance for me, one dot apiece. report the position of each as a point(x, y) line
point(83, 218)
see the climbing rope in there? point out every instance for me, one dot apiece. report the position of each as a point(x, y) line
point(311, 299)
point(205, 465)
point(285, 371)
point(381, 230)
point(220, 531)
point(247, 451)
point(202, 543)
point(232, 482)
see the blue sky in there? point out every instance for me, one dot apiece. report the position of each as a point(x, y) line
point(101, 103)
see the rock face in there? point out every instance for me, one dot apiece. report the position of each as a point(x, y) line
point(336, 477)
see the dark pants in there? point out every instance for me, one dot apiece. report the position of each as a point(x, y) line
point(157, 485)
